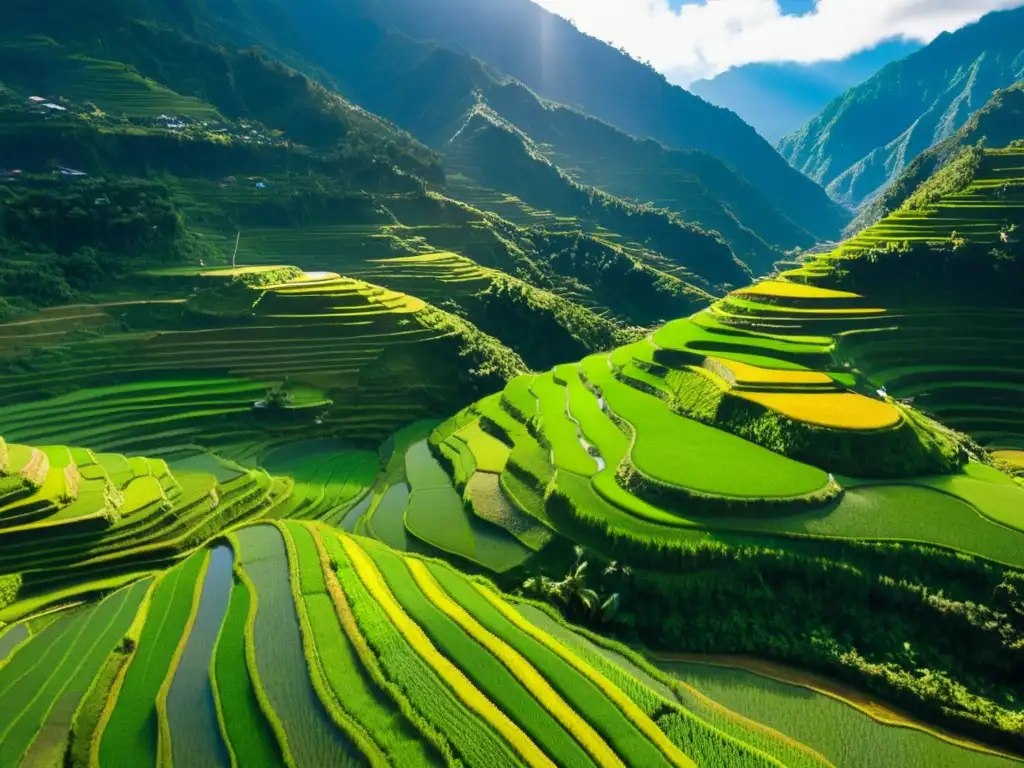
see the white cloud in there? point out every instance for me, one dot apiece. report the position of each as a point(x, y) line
point(707, 39)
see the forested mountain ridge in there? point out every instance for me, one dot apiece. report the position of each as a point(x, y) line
point(864, 139)
point(997, 124)
point(430, 90)
point(562, 64)
point(155, 148)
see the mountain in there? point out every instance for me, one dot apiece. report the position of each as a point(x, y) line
point(560, 63)
point(865, 138)
point(997, 124)
point(177, 150)
point(778, 98)
point(431, 91)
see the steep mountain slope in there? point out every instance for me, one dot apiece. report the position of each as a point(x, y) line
point(697, 186)
point(560, 63)
point(497, 154)
point(997, 124)
point(867, 137)
point(778, 98)
point(222, 150)
point(431, 91)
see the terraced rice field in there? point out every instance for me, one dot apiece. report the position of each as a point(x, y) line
point(336, 650)
point(964, 368)
point(199, 371)
point(994, 199)
point(837, 730)
point(635, 443)
point(1013, 457)
point(49, 675)
point(95, 521)
point(437, 516)
point(44, 66)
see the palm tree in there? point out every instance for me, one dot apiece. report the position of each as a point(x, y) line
point(539, 586)
point(574, 592)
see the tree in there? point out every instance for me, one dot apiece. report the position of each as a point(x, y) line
point(278, 397)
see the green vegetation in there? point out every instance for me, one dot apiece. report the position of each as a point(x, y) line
point(235, 306)
point(53, 688)
point(191, 706)
point(486, 671)
point(994, 124)
point(129, 731)
point(840, 732)
point(246, 731)
point(312, 736)
point(869, 136)
point(619, 453)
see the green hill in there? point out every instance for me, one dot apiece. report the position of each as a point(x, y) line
point(694, 185)
point(431, 92)
point(764, 422)
point(496, 154)
point(866, 138)
point(188, 367)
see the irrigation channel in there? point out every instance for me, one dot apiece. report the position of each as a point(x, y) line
point(195, 732)
point(849, 727)
point(590, 449)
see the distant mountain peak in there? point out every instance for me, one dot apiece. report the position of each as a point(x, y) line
point(865, 138)
point(779, 97)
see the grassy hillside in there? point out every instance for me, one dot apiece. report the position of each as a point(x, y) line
point(866, 138)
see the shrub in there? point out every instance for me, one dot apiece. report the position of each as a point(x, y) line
point(72, 483)
point(10, 586)
point(113, 503)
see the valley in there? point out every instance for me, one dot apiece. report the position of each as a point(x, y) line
point(368, 399)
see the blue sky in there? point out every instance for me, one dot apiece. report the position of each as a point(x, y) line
point(690, 39)
point(792, 7)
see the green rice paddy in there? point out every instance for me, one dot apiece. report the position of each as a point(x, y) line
point(844, 735)
point(629, 460)
point(191, 707)
point(312, 737)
